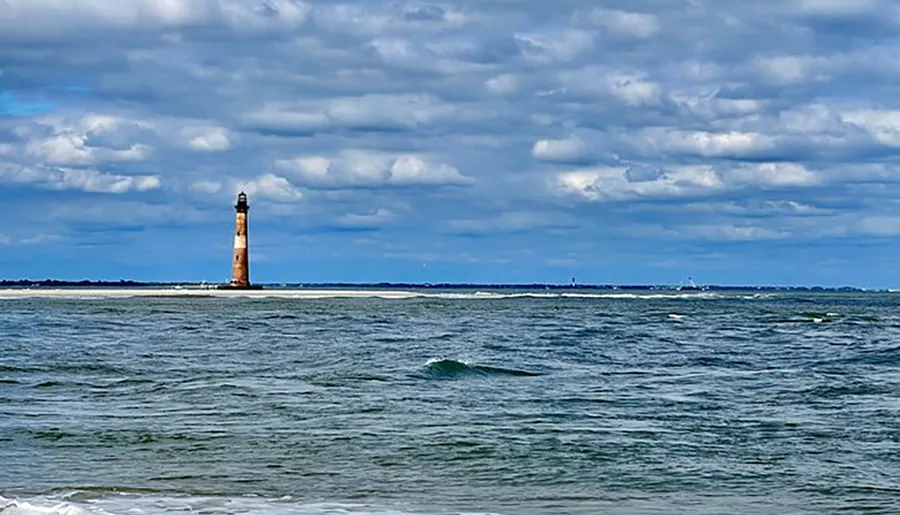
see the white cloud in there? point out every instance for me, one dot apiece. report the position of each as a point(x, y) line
point(554, 47)
point(756, 208)
point(811, 119)
point(372, 111)
point(638, 25)
point(786, 70)
point(619, 183)
point(438, 57)
point(697, 71)
point(41, 18)
point(713, 108)
point(206, 187)
point(269, 186)
point(562, 150)
point(840, 8)
point(349, 168)
point(882, 125)
point(89, 180)
point(87, 140)
point(121, 14)
point(772, 174)
point(206, 139)
point(281, 117)
point(502, 84)
point(404, 17)
point(876, 225)
point(412, 170)
point(386, 110)
point(71, 146)
point(612, 184)
point(724, 231)
point(395, 49)
point(356, 168)
point(71, 149)
point(316, 169)
point(710, 144)
point(631, 89)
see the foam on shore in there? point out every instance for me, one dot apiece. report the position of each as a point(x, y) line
point(101, 293)
point(121, 293)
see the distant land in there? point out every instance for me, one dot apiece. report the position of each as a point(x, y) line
point(55, 283)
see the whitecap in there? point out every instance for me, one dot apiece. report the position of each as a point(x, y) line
point(107, 293)
point(27, 508)
point(125, 504)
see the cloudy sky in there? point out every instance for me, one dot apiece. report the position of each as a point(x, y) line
point(639, 141)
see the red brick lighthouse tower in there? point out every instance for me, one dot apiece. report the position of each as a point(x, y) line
point(240, 266)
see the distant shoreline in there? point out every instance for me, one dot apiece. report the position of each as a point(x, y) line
point(113, 293)
point(140, 285)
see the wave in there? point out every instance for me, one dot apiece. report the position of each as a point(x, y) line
point(110, 504)
point(382, 294)
point(444, 368)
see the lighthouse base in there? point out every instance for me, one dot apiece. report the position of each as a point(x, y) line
point(232, 286)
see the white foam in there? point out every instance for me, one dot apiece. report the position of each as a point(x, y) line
point(433, 361)
point(112, 293)
point(27, 508)
point(128, 504)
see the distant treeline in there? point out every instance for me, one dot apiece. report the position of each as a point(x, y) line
point(55, 283)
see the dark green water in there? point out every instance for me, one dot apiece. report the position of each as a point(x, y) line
point(698, 403)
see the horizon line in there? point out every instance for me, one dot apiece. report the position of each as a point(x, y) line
point(430, 285)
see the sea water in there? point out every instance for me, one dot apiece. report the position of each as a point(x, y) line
point(630, 403)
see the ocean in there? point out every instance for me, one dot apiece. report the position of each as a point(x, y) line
point(463, 402)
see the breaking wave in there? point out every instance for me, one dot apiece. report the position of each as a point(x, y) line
point(379, 294)
point(87, 503)
point(443, 368)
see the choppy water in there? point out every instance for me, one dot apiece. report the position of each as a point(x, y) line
point(709, 403)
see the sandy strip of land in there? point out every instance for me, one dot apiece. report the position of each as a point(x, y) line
point(200, 292)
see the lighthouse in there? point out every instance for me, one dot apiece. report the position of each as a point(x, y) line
point(240, 265)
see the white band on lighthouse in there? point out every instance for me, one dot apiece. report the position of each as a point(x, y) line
point(240, 242)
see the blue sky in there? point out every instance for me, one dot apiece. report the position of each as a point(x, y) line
point(492, 141)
